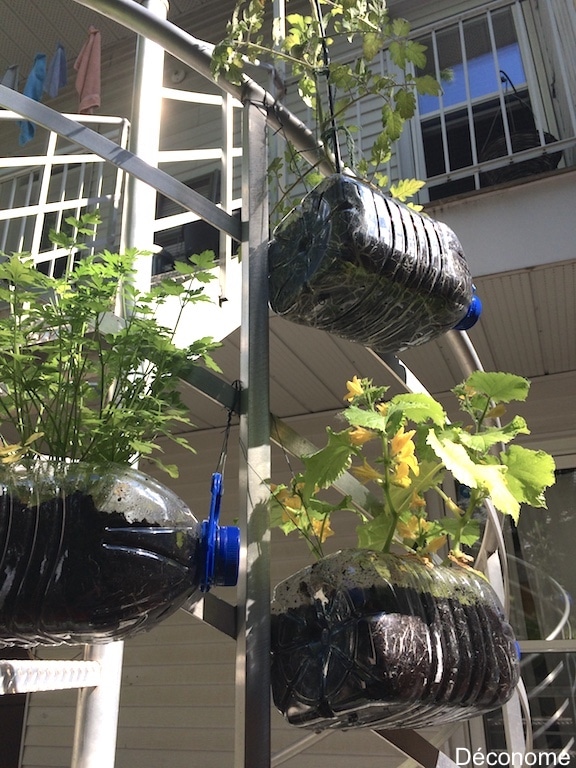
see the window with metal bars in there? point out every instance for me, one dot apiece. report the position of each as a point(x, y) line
point(489, 125)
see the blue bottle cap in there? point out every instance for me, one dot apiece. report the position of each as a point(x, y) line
point(472, 315)
point(220, 545)
point(227, 556)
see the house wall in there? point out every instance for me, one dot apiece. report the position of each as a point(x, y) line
point(522, 225)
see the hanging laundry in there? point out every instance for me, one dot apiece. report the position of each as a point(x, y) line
point(33, 89)
point(87, 65)
point(10, 77)
point(56, 76)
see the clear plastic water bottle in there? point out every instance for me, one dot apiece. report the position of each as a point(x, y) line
point(356, 263)
point(90, 555)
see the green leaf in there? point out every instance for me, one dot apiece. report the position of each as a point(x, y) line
point(406, 188)
point(405, 103)
point(488, 478)
point(371, 45)
point(481, 442)
point(373, 534)
point(203, 260)
point(400, 27)
point(358, 417)
point(529, 474)
point(326, 465)
point(426, 85)
point(167, 287)
point(397, 52)
point(468, 534)
point(419, 408)
point(500, 387)
point(415, 52)
point(170, 469)
point(393, 122)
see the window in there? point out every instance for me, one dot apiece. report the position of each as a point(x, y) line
point(487, 112)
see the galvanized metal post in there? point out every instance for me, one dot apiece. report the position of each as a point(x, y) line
point(252, 747)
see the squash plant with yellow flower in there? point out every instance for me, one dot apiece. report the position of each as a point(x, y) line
point(402, 448)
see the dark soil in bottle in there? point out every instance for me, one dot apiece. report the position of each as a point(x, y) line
point(390, 657)
point(72, 573)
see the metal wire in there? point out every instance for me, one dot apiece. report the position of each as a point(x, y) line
point(231, 411)
point(331, 109)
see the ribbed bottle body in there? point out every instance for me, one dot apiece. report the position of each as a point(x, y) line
point(362, 639)
point(90, 554)
point(351, 261)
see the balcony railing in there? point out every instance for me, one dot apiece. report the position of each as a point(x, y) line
point(38, 192)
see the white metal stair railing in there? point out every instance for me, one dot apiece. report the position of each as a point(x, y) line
point(556, 609)
point(27, 676)
point(38, 191)
point(97, 679)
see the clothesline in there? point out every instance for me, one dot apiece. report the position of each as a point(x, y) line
point(50, 78)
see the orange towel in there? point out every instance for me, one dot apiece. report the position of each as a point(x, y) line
point(87, 65)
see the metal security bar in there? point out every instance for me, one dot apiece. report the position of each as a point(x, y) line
point(495, 119)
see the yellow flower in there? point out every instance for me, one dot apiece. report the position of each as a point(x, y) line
point(287, 499)
point(400, 475)
point(288, 516)
point(402, 448)
point(360, 435)
point(382, 408)
point(355, 389)
point(290, 502)
point(365, 473)
point(409, 529)
point(435, 544)
point(321, 529)
point(417, 501)
point(415, 527)
point(402, 441)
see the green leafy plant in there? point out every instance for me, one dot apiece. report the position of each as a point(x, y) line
point(332, 88)
point(87, 372)
point(402, 449)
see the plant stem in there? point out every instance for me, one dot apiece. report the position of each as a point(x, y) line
point(389, 504)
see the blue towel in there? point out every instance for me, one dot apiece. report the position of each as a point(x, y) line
point(57, 75)
point(33, 89)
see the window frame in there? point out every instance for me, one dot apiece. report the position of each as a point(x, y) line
point(472, 177)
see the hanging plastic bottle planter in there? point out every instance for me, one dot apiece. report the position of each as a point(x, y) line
point(89, 556)
point(353, 262)
point(366, 639)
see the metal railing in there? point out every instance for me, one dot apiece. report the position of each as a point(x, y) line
point(38, 192)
